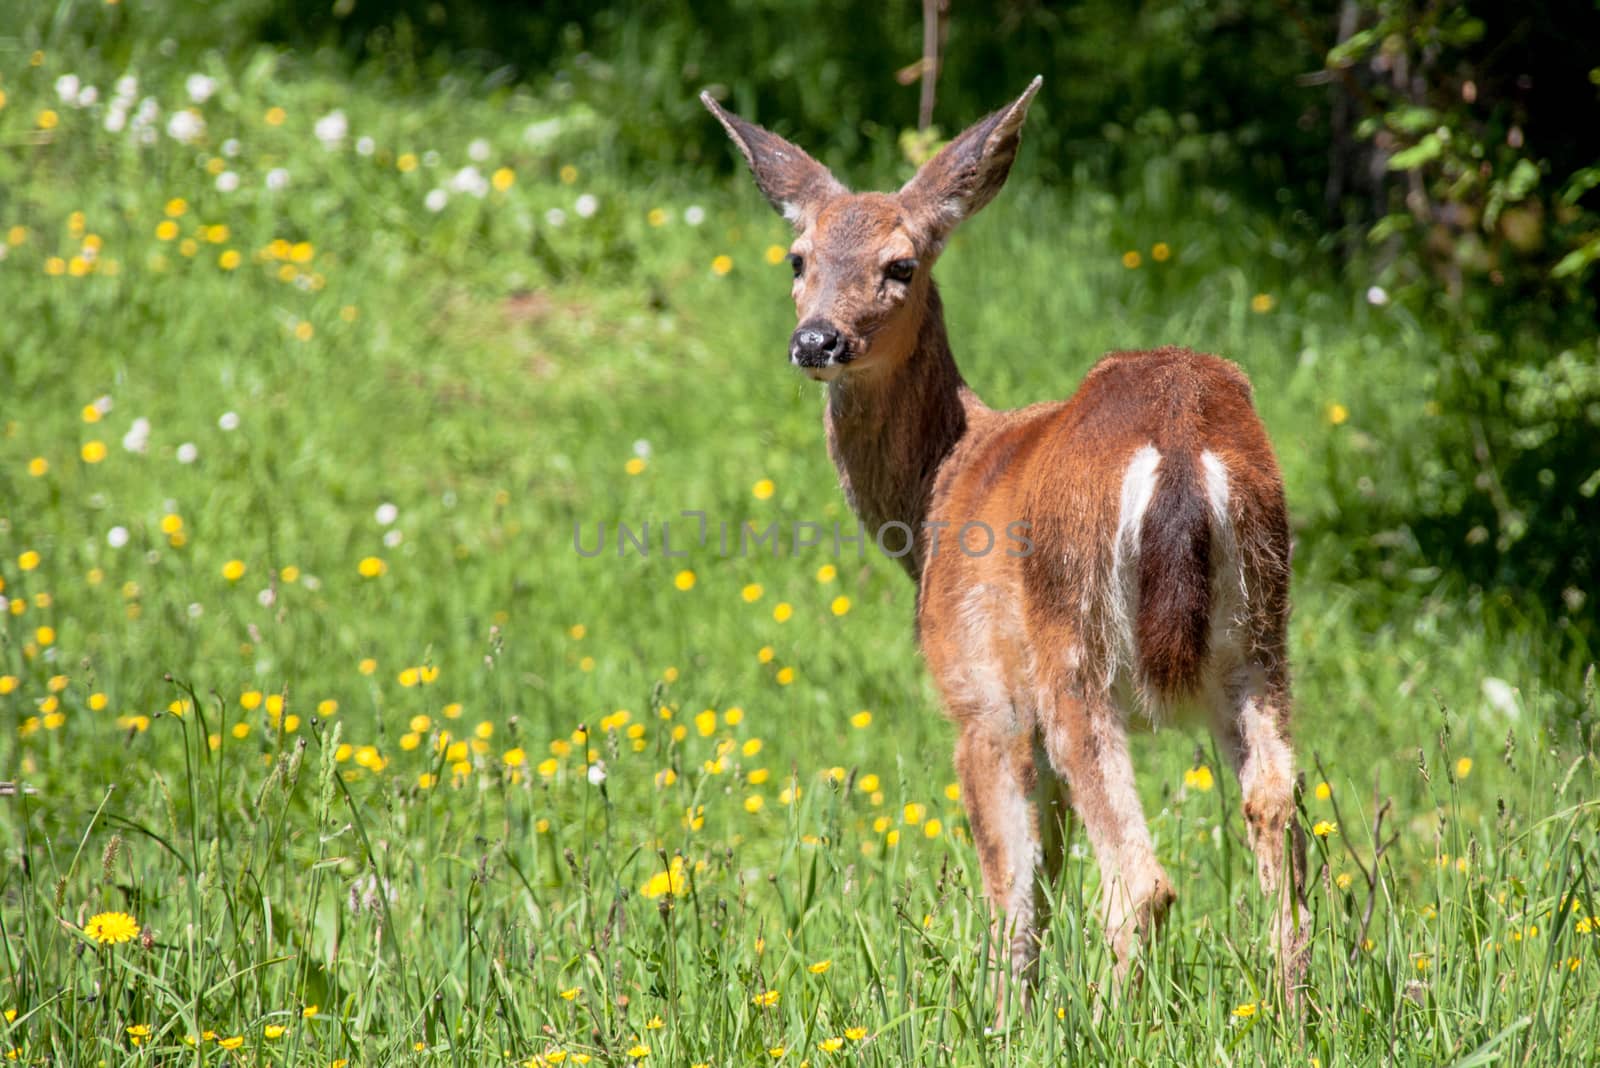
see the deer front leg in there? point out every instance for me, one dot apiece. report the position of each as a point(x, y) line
point(999, 780)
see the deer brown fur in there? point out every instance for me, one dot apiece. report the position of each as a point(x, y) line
point(1155, 573)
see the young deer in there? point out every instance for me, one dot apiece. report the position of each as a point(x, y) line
point(1157, 573)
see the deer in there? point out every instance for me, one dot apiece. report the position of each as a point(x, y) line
point(1154, 578)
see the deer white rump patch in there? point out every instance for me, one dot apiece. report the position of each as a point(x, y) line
point(1138, 487)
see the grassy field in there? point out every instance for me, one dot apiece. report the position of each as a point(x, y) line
point(304, 388)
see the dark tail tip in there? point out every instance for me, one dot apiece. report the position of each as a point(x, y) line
point(1173, 623)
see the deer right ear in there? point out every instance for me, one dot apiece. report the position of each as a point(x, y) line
point(796, 184)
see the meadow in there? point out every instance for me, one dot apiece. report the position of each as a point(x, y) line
point(324, 743)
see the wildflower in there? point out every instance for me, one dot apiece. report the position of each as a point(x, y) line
point(758, 776)
point(638, 1052)
point(1161, 252)
point(1245, 1011)
point(775, 1052)
point(655, 1023)
point(138, 1033)
point(684, 580)
point(38, 467)
point(1337, 414)
point(274, 116)
point(634, 466)
point(233, 570)
point(274, 1030)
point(868, 783)
point(1262, 303)
point(763, 489)
point(28, 560)
point(1463, 767)
point(855, 1034)
point(586, 205)
point(914, 813)
point(765, 653)
point(231, 1042)
point(953, 791)
point(570, 993)
point(706, 723)
point(785, 676)
point(861, 720)
point(670, 881)
point(409, 677)
point(372, 567)
point(48, 119)
point(819, 967)
point(229, 260)
point(111, 928)
point(754, 803)
point(367, 665)
point(775, 254)
point(515, 758)
point(694, 215)
point(1343, 881)
point(1131, 259)
point(783, 611)
point(1324, 791)
point(1377, 296)
point(1199, 778)
point(1323, 828)
point(502, 179)
point(932, 828)
point(751, 593)
point(766, 999)
point(840, 605)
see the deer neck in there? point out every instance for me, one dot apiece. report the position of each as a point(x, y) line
point(890, 432)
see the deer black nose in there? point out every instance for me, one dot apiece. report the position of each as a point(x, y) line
point(815, 344)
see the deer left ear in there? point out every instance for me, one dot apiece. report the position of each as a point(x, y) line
point(796, 184)
point(969, 171)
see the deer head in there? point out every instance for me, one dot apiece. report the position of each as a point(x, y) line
point(862, 261)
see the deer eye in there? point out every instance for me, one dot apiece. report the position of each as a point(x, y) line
point(901, 270)
point(798, 262)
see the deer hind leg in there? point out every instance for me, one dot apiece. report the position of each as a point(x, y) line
point(1002, 788)
point(1088, 746)
point(1253, 729)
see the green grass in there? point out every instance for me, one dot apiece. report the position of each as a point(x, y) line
point(490, 375)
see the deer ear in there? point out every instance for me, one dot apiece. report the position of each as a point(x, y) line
point(969, 171)
point(795, 183)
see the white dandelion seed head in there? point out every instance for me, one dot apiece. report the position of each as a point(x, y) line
point(231, 147)
point(188, 453)
point(332, 129)
point(387, 513)
point(311, 582)
point(103, 404)
point(227, 182)
point(478, 150)
point(366, 146)
point(200, 87)
point(555, 217)
point(196, 610)
point(586, 206)
point(641, 449)
point(541, 133)
point(117, 537)
point(277, 178)
point(67, 87)
point(266, 597)
point(186, 126)
point(127, 88)
point(597, 773)
point(88, 96)
point(436, 200)
point(149, 111)
point(393, 538)
point(116, 119)
point(430, 158)
point(5, 604)
point(694, 215)
point(470, 180)
point(137, 439)
point(1377, 296)
point(229, 421)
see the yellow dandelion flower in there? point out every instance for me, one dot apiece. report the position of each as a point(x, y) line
point(1161, 252)
point(861, 720)
point(855, 1034)
point(568, 174)
point(1131, 259)
point(785, 676)
point(764, 489)
point(1343, 881)
point(233, 570)
point(751, 593)
point(783, 611)
point(274, 1030)
point(1262, 303)
point(1463, 767)
point(515, 758)
point(638, 1052)
point(229, 259)
point(657, 217)
point(914, 812)
point(776, 1052)
point(635, 465)
point(231, 1042)
point(1199, 778)
point(112, 928)
point(840, 605)
point(38, 467)
point(684, 580)
point(721, 265)
point(766, 653)
point(48, 119)
point(372, 567)
point(274, 116)
point(754, 803)
point(1324, 791)
point(367, 665)
point(93, 452)
point(1337, 413)
point(503, 178)
point(933, 828)
point(1324, 828)
point(819, 967)
point(766, 999)
point(28, 560)
point(409, 677)
point(1245, 1011)
point(570, 993)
